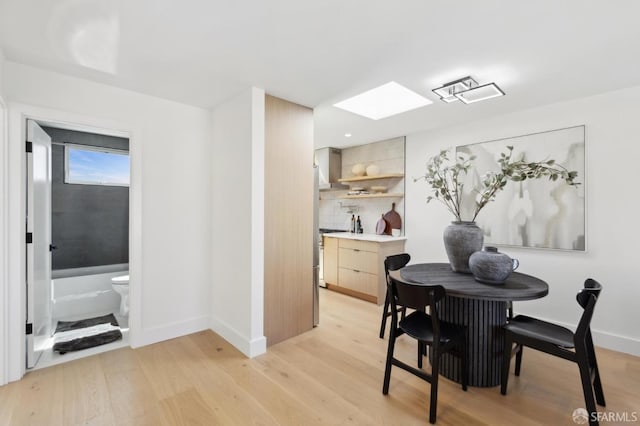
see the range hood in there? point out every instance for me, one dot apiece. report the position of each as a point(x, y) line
point(329, 162)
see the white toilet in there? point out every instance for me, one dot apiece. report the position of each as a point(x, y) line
point(121, 286)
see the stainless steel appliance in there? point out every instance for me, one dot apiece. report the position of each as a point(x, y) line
point(316, 250)
point(321, 232)
point(317, 247)
point(329, 162)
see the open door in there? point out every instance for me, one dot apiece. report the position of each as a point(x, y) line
point(39, 311)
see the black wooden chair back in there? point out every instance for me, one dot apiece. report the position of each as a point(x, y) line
point(395, 262)
point(427, 330)
point(392, 263)
point(587, 298)
point(561, 342)
point(417, 297)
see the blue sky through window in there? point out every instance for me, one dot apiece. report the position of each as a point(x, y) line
point(89, 166)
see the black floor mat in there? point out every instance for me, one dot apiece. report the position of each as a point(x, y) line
point(88, 341)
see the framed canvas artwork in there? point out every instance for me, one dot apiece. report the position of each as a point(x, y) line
point(537, 213)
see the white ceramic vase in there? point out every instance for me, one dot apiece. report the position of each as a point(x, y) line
point(373, 170)
point(358, 170)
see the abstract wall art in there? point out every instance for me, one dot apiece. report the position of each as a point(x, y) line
point(535, 213)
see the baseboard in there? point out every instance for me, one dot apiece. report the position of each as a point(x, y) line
point(616, 343)
point(611, 341)
point(250, 348)
point(157, 334)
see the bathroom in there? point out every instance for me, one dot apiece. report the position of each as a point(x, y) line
point(89, 244)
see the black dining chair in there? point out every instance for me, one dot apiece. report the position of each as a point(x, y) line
point(392, 263)
point(427, 329)
point(561, 342)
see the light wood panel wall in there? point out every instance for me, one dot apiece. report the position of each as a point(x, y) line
point(288, 280)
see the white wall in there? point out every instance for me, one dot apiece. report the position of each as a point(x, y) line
point(612, 152)
point(1, 72)
point(170, 196)
point(4, 280)
point(237, 188)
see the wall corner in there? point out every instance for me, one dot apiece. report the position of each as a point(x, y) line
point(257, 215)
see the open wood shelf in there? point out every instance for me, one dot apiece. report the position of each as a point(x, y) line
point(378, 195)
point(361, 178)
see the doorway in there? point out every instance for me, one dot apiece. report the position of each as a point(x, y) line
point(77, 252)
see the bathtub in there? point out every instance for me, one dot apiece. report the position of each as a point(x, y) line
point(82, 292)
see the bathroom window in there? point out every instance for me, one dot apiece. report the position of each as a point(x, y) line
point(91, 165)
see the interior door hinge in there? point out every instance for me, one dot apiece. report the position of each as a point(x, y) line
point(29, 237)
point(29, 146)
point(29, 328)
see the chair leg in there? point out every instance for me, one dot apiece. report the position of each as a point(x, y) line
point(435, 373)
point(585, 377)
point(421, 353)
point(519, 351)
point(506, 362)
point(404, 312)
point(464, 367)
point(385, 314)
point(597, 387)
point(387, 369)
point(593, 363)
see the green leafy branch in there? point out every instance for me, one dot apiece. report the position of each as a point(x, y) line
point(446, 178)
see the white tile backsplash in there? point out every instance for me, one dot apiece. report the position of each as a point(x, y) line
point(388, 155)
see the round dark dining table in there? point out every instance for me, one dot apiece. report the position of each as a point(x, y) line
point(482, 308)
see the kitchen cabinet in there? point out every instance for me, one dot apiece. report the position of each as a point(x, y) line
point(357, 263)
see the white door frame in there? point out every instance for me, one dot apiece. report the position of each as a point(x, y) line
point(38, 176)
point(13, 205)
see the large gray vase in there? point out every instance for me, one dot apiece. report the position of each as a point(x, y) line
point(461, 240)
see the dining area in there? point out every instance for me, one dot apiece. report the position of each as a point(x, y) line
point(461, 313)
point(518, 277)
point(342, 363)
point(466, 328)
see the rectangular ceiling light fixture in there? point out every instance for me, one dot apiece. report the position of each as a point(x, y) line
point(480, 93)
point(383, 101)
point(448, 91)
point(468, 91)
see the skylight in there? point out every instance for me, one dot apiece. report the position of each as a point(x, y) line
point(383, 101)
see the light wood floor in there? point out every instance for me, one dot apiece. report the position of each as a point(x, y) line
point(331, 375)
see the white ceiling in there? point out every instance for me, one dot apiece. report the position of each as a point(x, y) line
point(202, 52)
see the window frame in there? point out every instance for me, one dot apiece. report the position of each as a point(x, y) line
point(69, 146)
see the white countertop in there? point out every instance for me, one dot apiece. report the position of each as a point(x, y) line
point(365, 237)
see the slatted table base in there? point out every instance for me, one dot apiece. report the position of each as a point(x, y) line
point(485, 339)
